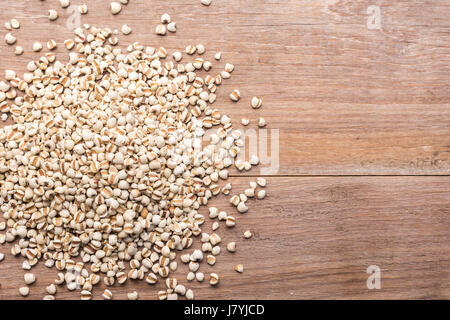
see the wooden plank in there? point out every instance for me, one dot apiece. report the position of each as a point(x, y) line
point(314, 239)
point(347, 100)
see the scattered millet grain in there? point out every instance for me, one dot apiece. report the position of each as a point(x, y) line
point(24, 291)
point(256, 103)
point(213, 279)
point(18, 51)
point(15, 24)
point(161, 30)
point(29, 278)
point(98, 159)
point(37, 46)
point(206, 2)
point(52, 15)
point(239, 268)
point(64, 3)
point(83, 9)
point(115, 7)
point(133, 295)
point(10, 39)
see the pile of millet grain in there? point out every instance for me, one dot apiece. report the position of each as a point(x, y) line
point(107, 164)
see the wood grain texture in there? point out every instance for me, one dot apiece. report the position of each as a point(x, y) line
point(316, 243)
point(347, 101)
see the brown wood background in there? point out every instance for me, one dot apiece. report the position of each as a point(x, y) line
point(364, 140)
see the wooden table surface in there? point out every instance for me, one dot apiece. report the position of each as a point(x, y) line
point(363, 115)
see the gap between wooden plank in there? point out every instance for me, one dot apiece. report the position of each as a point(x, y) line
point(337, 176)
